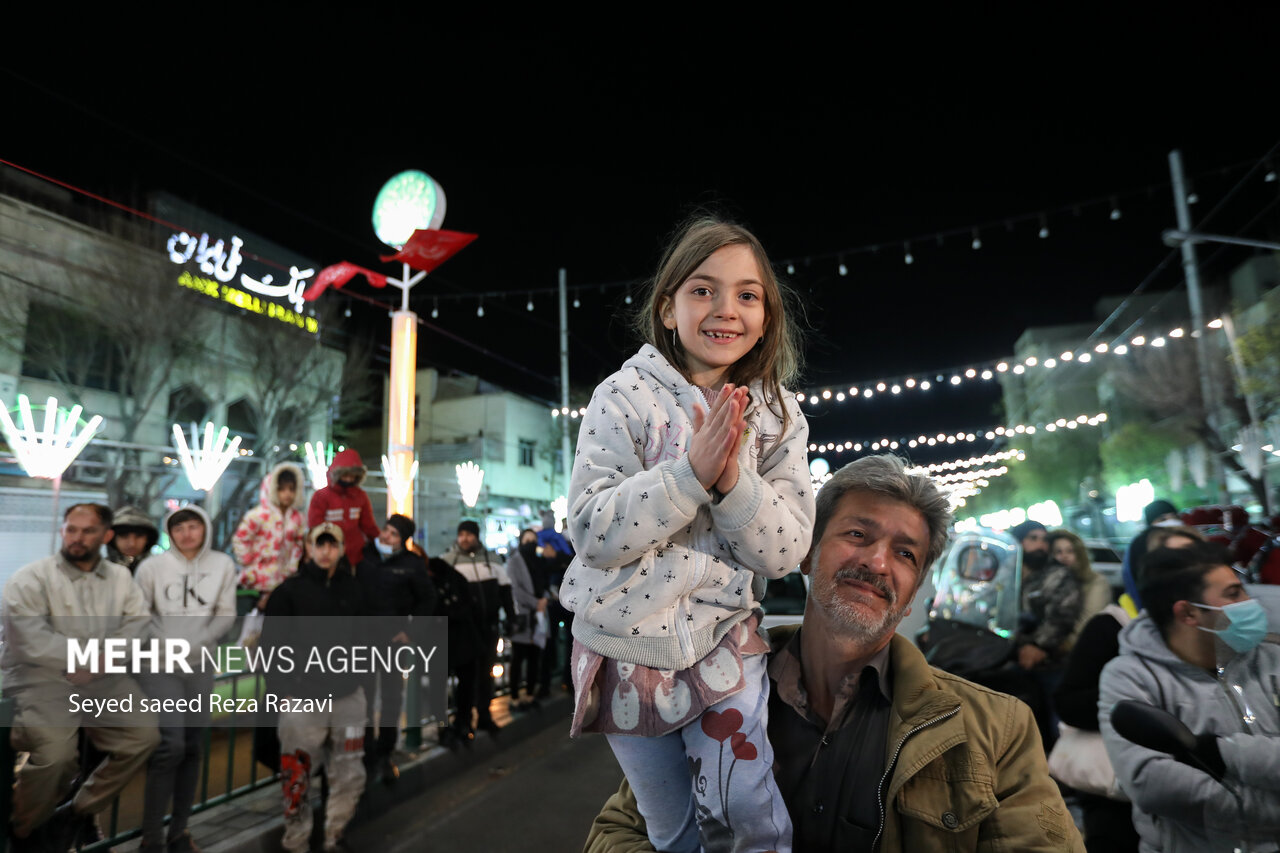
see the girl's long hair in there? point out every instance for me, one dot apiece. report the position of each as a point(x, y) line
point(777, 360)
point(1084, 566)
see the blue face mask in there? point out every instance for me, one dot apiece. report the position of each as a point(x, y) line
point(1248, 624)
point(384, 550)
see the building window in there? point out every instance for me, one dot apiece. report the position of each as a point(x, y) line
point(527, 449)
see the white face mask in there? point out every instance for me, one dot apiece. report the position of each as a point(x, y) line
point(384, 550)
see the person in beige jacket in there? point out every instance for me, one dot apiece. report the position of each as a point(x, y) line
point(875, 749)
point(75, 594)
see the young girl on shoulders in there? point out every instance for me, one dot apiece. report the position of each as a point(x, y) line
point(690, 489)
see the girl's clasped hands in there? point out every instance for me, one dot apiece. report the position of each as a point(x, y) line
point(713, 448)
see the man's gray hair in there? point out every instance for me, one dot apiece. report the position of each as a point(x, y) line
point(886, 476)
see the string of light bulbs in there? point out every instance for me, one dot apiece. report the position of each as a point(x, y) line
point(987, 371)
point(1111, 203)
point(957, 464)
point(989, 434)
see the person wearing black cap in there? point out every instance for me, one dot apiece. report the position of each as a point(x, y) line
point(398, 587)
point(486, 576)
point(1052, 600)
point(1158, 513)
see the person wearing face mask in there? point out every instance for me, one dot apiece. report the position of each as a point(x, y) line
point(345, 504)
point(1199, 654)
point(528, 572)
point(398, 587)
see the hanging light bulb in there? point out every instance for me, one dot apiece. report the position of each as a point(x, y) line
point(577, 303)
point(791, 268)
point(907, 258)
point(346, 312)
point(480, 308)
point(627, 299)
point(528, 306)
point(1044, 227)
point(435, 308)
point(977, 241)
point(844, 270)
point(1115, 208)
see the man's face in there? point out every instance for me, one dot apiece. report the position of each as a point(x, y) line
point(347, 481)
point(187, 535)
point(529, 539)
point(83, 535)
point(865, 569)
point(391, 538)
point(467, 540)
point(326, 554)
point(286, 494)
point(131, 543)
point(1035, 541)
point(1222, 586)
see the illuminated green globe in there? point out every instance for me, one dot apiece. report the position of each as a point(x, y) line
point(409, 201)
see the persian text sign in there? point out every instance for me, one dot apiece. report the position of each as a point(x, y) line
point(240, 299)
point(221, 263)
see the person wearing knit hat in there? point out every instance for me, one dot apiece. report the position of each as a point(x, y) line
point(1158, 513)
point(490, 588)
point(135, 536)
point(403, 525)
point(398, 588)
point(1052, 600)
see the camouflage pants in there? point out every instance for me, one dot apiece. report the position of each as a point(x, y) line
point(335, 740)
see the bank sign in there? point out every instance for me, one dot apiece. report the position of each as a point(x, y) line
point(211, 267)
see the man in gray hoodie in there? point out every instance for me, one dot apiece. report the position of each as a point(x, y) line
point(1201, 654)
point(190, 590)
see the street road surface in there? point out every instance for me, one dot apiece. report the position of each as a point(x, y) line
point(539, 795)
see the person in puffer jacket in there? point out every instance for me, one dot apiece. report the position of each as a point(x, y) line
point(191, 593)
point(268, 542)
point(345, 504)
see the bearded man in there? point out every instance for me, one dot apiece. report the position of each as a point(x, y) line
point(874, 749)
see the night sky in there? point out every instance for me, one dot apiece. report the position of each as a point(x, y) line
point(562, 157)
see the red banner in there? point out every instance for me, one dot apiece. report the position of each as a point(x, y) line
point(338, 275)
point(429, 248)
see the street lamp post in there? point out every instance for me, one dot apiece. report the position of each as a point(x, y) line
point(407, 215)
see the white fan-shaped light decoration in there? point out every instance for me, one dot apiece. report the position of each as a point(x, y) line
point(318, 462)
point(400, 481)
point(560, 508)
point(47, 452)
point(205, 464)
point(470, 478)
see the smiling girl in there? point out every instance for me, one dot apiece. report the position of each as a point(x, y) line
point(690, 489)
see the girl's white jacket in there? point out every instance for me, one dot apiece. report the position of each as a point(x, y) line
point(661, 573)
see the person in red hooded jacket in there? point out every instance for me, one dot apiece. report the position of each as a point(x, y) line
point(345, 504)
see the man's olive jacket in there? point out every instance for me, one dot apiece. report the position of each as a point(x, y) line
point(965, 766)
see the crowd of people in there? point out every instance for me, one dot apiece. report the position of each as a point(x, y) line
point(330, 561)
point(689, 491)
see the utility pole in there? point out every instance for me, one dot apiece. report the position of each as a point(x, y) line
point(566, 459)
point(1191, 271)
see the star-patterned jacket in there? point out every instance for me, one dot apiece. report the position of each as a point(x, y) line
point(661, 572)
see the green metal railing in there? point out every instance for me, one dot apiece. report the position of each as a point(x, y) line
point(223, 774)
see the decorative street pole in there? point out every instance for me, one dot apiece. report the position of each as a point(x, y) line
point(407, 215)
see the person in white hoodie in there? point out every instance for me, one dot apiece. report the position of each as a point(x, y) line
point(190, 590)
